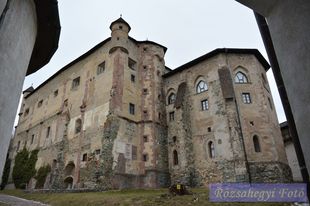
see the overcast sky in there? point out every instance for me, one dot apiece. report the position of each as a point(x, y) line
point(188, 29)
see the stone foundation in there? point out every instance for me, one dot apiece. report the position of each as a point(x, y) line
point(271, 172)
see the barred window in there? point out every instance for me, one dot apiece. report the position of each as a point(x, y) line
point(246, 98)
point(204, 105)
point(131, 108)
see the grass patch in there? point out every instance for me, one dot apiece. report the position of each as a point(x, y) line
point(136, 197)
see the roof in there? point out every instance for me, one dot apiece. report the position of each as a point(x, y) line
point(48, 32)
point(86, 55)
point(29, 89)
point(120, 20)
point(148, 42)
point(215, 52)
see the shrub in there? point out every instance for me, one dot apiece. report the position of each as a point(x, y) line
point(6, 173)
point(24, 167)
point(41, 175)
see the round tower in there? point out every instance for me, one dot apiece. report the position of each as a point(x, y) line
point(120, 29)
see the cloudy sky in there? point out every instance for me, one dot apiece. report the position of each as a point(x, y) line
point(188, 29)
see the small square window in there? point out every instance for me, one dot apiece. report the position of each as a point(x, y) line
point(246, 98)
point(204, 105)
point(75, 83)
point(144, 91)
point(209, 129)
point(101, 68)
point(56, 93)
point(145, 138)
point(171, 116)
point(40, 103)
point(97, 152)
point(131, 108)
point(144, 114)
point(133, 78)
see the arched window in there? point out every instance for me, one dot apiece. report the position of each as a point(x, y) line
point(211, 149)
point(175, 158)
point(201, 87)
point(171, 98)
point(241, 78)
point(78, 125)
point(256, 144)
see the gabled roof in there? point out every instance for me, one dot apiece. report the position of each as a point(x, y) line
point(92, 50)
point(215, 52)
point(120, 20)
point(71, 64)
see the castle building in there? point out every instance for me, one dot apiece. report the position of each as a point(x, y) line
point(117, 117)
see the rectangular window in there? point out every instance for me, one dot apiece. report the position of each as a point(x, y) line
point(56, 93)
point(101, 68)
point(75, 83)
point(145, 157)
point(84, 159)
point(246, 98)
point(131, 64)
point(171, 116)
point(40, 103)
point(32, 139)
point(48, 131)
point(131, 108)
point(204, 105)
point(133, 78)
